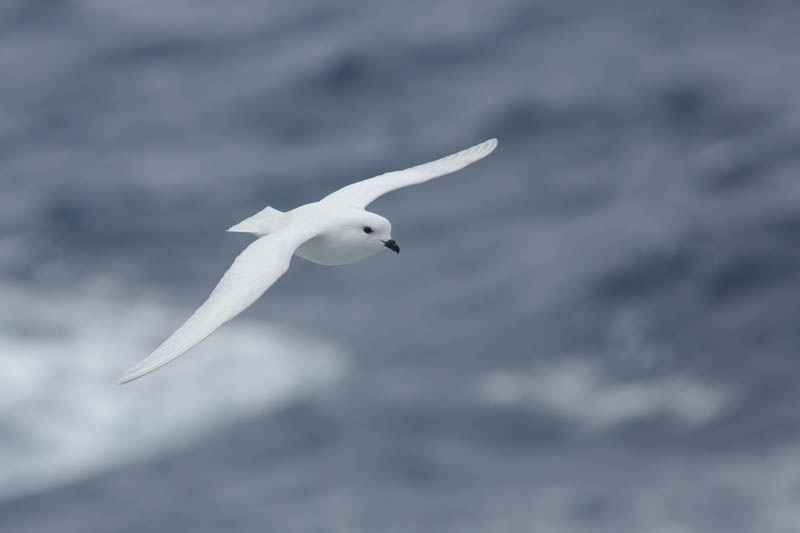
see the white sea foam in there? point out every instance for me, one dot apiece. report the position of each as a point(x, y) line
point(62, 415)
point(580, 391)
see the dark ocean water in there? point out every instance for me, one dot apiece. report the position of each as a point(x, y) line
point(594, 329)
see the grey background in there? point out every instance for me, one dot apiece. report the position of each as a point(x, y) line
point(594, 329)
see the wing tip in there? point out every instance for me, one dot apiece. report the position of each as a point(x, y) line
point(478, 151)
point(488, 145)
point(153, 362)
point(132, 374)
point(142, 369)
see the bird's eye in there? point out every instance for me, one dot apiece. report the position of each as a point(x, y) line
point(367, 229)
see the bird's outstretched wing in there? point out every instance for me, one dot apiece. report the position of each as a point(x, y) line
point(362, 193)
point(252, 273)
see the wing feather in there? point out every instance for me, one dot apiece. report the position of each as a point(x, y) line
point(362, 193)
point(251, 274)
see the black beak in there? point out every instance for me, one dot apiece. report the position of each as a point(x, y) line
point(390, 244)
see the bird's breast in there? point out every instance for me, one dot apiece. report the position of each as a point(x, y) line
point(327, 249)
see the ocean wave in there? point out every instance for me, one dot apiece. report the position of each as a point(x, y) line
point(579, 392)
point(62, 416)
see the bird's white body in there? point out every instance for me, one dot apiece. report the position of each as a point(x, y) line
point(339, 248)
point(337, 230)
point(342, 241)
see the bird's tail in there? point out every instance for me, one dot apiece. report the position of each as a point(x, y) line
point(260, 224)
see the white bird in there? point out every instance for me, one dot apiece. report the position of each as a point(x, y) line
point(337, 230)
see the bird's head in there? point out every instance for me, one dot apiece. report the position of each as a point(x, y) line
point(376, 230)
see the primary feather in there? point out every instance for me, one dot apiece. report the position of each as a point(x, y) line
point(250, 275)
point(362, 193)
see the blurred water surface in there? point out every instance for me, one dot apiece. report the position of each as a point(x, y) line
point(594, 329)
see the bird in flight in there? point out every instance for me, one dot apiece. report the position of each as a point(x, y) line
point(336, 230)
